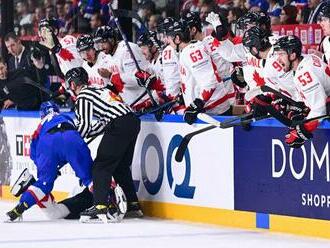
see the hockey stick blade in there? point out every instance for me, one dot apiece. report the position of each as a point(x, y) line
point(185, 141)
point(209, 119)
point(297, 123)
point(244, 122)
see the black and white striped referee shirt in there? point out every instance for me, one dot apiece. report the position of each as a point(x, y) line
point(100, 104)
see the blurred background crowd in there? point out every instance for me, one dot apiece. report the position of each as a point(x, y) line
point(23, 58)
point(86, 15)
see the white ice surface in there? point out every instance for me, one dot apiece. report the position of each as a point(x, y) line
point(35, 231)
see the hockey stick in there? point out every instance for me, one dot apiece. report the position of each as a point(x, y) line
point(139, 98)
point(156, 109)
point(210, 120)
point(130, 50)
point(40, 87)
point(266, 88)
point(238, 117)
point(134, 15)
point(297, 123)
point(214, 124)
point(185, 141)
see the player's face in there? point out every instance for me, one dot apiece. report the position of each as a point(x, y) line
point(325, 25)
point(146, 52)
point(106, 47)
point(283, 59)
point(89, 55)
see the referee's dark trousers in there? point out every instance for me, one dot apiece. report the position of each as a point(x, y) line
point(114, 158)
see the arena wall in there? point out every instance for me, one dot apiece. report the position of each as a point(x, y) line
point(232, 177)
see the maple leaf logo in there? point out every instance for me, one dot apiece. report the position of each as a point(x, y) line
point(66, 55)
point(258, 79)
point(206, 94)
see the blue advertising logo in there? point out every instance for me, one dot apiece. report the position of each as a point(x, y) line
point(183, 190)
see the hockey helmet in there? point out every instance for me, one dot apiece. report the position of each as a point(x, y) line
point(51, 23)
point(78, 75)
point(256, 37)
point(47, 108)
point(259, 19)
point(192, 19)
point(149, 39)
point(324, 12)
point(163, 27)
point(84, 42)
point(144, 40)
point(104, 33)
point(249, 18)
point(290, 44)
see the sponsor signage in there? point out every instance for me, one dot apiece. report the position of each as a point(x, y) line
point(272, 178)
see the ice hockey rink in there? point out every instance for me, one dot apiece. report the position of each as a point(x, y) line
point(36, 231)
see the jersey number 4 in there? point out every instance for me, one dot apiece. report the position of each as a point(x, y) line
point(196, 55)
point(305, 78)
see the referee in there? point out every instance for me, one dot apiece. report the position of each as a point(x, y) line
point(115, 152)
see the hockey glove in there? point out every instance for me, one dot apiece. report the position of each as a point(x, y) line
point(219, 24)
point(297, 136)
point(191, 112)
point(299, 110)
point(259, 105)
point(49, 40)
point(213, 19)
point(145, 79)
point(237, 77)
point(280, 105)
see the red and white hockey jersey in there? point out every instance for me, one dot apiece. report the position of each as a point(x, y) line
point(170, 72)
point(103, 61)
point(127, 69)
point(275, 75)
point(68, 57)
point(312, 79)
point(199, 80)
point(222, 66)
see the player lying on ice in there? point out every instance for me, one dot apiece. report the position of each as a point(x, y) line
point(55, 143)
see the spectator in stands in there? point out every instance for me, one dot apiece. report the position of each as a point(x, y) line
point(60, 13)
point(68, 7)
point(206, 8)
point(289, 15)
point(239, 4)
point(234, 13)
point(50, 11)
point(146, 9)
point(96, 21)
point(32, 5)
point(39, 14)
point(15, 90)
point(274, 9)
point(153, 22)
point(310, 12)
point(24, 17)
point(257, 5)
